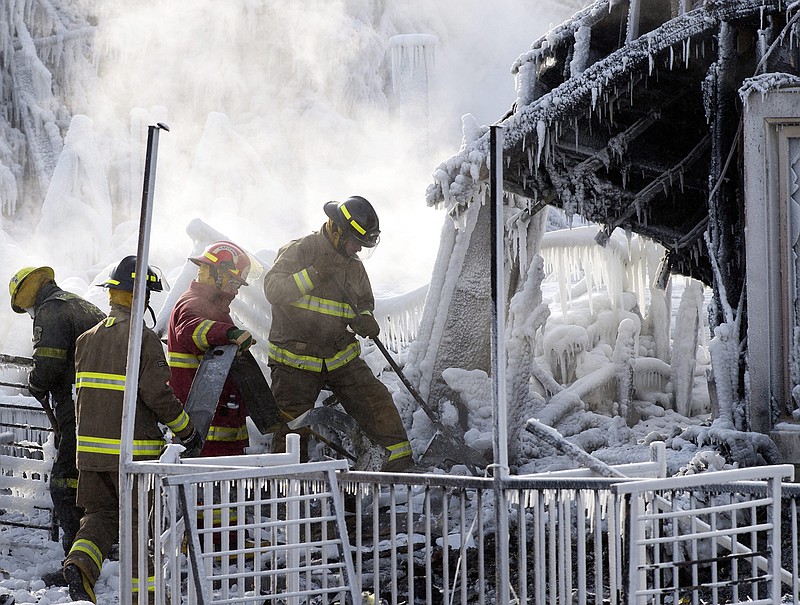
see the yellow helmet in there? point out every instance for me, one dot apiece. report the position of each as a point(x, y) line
point(38, 276)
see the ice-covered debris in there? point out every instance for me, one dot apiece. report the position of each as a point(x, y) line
point(705, 460)
point(172, 453)
point(763, 83)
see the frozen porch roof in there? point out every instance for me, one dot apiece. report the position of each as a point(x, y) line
point(627, 114)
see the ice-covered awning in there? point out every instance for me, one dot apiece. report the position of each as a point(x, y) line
point(626, 114)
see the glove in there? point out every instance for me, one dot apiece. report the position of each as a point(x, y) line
point(365, 326)
point(193, 444)
point(241, 338)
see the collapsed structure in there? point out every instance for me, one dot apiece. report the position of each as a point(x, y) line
point(672, 120)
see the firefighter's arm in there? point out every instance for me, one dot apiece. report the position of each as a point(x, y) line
point(296, 272)
point(154, 391)
point(50, 353)
point(201, 332)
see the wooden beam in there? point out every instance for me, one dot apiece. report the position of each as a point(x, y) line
point(654, 188)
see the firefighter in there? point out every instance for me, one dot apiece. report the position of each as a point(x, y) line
point(59, 317)
point(201, 319)
point(100, 364)
point(312, 339)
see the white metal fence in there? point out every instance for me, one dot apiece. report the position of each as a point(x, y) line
point(709, 538)
point(283, 534)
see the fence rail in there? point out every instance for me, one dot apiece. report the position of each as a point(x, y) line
point(412, 538)
point(26, 452)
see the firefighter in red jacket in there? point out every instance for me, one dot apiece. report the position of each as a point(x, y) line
point(202, 319)
point(59, 317)
point(312, 339)
point(101, 356)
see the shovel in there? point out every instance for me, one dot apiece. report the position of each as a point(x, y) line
point(444, 445)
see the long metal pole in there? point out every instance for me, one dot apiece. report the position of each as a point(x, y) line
point(132, 375)
point(499, 411)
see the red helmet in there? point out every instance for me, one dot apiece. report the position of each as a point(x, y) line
point(228, 257)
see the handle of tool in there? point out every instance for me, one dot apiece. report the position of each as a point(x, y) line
point(51, 416)
point(414, 393)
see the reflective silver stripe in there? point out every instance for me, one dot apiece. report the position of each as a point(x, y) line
point(301, 362)
point(89, 548)
point(200, 335)
point(227, 433)
point(324, 306)
point(151, 584)
point(180, 423)
point(182, 360)
point(314, 364)
point(303, 281)
point(100, 380)
point(343, 357)
point(104, 445)
point(399, 450)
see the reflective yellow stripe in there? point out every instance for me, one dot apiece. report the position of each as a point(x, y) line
point(287, 358)
point(343, 357)
point(151, 584)
point(182, 360)
point(64, 482)
point(324, 306)
point(100, 380)
point(200, 334)
point(103, 445)
point(227, 433)
point(180, 423)
point(352, 221)
point(216, 516)
point(50, 352)
point(90, 548)
point(110, 320)
point(303, 281)
point(399, 450)
point(314, 364)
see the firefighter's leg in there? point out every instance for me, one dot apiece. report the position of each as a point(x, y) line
point(370, 404)
point(64, 475)
point(99, 528)
point(295, 392)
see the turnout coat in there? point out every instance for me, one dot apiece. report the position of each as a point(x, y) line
point(100, 364)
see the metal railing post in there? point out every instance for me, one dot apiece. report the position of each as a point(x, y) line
point(499, 364)
point(132, 375)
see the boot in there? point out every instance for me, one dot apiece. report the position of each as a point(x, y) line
point(80, 589)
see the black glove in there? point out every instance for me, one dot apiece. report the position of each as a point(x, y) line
point(193, 444)
point(365, 326)
point(241, 338)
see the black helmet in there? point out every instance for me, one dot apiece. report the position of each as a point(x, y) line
point(122, 276)
point(357, 218)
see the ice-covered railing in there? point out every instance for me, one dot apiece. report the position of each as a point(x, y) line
point(398, 316)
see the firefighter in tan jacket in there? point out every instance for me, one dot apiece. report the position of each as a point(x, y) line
point(100, 362)
point(312, 338)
